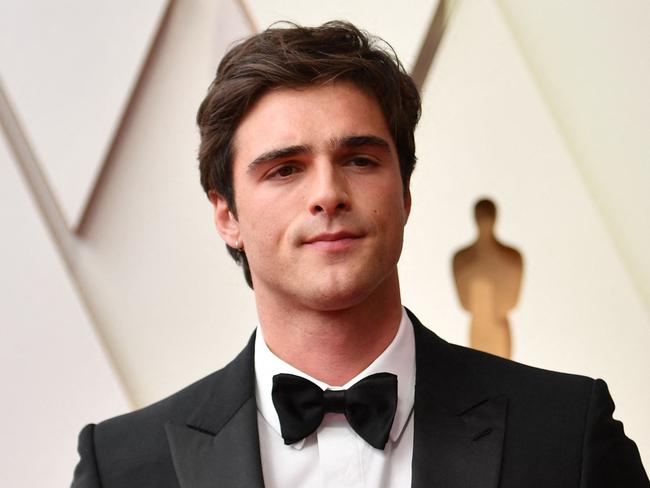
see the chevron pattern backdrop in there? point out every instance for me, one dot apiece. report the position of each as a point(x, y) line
point(115, 290)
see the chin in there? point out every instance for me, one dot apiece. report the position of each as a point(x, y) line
point(339, 295)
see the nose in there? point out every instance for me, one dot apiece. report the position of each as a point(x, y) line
point(329, 194)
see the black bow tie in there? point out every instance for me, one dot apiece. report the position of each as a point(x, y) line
point(369, 406)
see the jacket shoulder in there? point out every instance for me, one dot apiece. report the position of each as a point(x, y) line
point(517, 378)
point(558, 419)
point(539, 401)
point(128, 445)
point(494, 373)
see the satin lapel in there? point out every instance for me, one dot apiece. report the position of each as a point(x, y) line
point(217, 445)
point(459, 428)
point(230, 459)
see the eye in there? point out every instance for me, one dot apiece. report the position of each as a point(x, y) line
point(283, 171)
point(361, 161)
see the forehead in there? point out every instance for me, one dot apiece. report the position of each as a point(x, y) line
point(311, 115)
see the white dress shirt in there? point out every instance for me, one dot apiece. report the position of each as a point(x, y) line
point(335, 456)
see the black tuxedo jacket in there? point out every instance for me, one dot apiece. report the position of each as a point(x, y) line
point(480, 421)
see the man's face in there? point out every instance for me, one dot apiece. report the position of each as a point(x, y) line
point(319, 197)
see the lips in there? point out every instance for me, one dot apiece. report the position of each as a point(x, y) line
point(331, 236)
point(333, 241)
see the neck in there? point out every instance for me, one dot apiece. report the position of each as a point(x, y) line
point(332, 346)
point(486, 238)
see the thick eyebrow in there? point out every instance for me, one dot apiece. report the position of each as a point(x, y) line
point(360, 141)
point(280, 153)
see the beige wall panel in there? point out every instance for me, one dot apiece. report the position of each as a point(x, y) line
point(590, 59)
point(486, 130)
point(403, 25)
point(69, 68)
point(169, 301)
point(55, 376)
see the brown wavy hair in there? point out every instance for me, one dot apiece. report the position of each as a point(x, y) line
point(289, 55)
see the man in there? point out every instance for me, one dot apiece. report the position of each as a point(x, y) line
point(306, 155)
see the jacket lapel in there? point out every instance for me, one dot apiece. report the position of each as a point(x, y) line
point(218, 446)
point(459, 428)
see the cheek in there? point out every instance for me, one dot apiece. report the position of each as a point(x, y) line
point(392, 207)
point(263, 229)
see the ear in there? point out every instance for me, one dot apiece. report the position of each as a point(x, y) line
point(226, 223)
point(407, 203)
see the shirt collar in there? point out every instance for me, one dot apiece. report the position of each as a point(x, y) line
point(398, 358)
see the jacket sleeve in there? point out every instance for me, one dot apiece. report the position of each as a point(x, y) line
point(609, 457)
point(86, 474)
